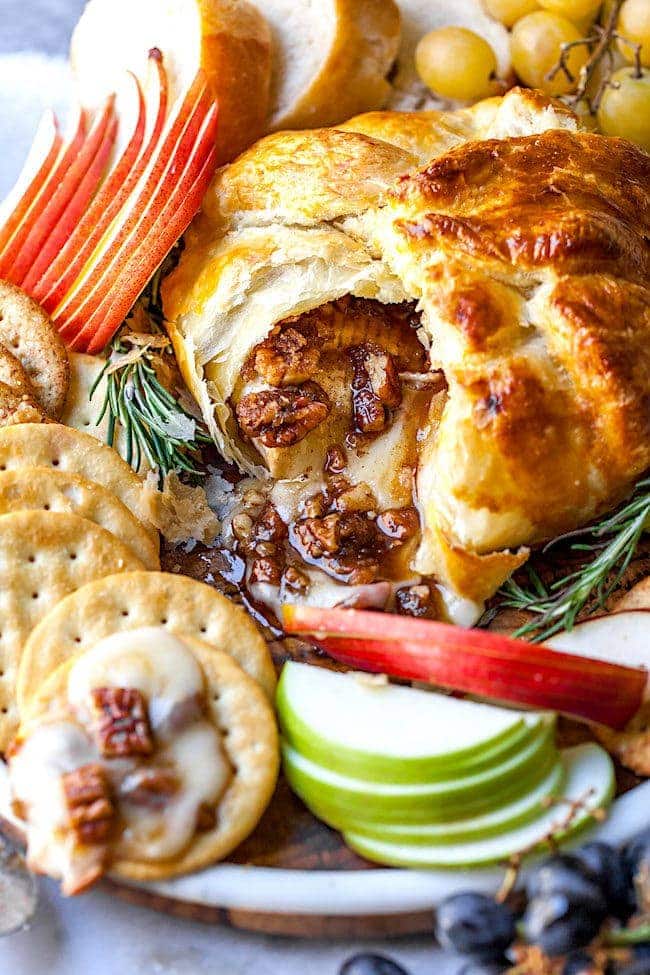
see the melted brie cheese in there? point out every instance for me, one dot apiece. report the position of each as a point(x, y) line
point(160, 666)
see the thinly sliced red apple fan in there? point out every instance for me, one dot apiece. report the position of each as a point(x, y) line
point(88, 223)
point(474, 662)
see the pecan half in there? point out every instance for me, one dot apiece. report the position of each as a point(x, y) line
point(121, 722)
point(289, 357)
point(151, 788)
point(376, 387)
point(347, 545)
point(282, 417)
point(88, 798)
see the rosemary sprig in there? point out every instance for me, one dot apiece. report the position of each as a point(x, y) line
point(613, 542)
point(153, 423)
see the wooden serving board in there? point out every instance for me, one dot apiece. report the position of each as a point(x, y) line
point(290, 839)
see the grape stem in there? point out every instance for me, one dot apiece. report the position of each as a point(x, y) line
point(599, 43)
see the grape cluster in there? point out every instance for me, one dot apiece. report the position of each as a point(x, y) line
point(569, 897)
point(458, 64)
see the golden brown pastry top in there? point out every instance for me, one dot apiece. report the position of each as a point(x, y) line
point(527, 246)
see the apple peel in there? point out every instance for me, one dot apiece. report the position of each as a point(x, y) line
point(474, 662)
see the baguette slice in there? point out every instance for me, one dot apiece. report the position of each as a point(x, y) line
point(229, 39)
point(421, 16)
point(330, 59)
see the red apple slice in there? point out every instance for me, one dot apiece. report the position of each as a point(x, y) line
point(156, 255)
point(79, 304)
point(66, 268)
point(172, 222)
point(73, 182)
point(66, 157)
point(474, 662)
point(38, 166)
point(69, 219)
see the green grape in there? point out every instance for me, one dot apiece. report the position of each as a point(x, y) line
point(577, 11)
point(535, 48)
point(634, 24)
point(456, 63)
point(625, 107)
point(510, 11)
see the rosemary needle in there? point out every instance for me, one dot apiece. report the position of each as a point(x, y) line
point(613, 543)
point(153, 423)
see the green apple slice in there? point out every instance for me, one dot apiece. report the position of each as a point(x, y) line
point(360, 727)
point(441, 801)
point(516, 813)
point(589, 780)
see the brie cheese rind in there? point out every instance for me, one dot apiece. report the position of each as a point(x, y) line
point(525, 243)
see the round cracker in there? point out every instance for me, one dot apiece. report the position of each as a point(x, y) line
point(13, 374)
point(46, 489)
point(18, 408)
point(60, 447)
point(44, 557)
point(239, 708)
point(136, 599)
point(27, 331)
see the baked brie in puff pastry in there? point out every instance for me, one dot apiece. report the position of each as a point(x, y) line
point(432, 331)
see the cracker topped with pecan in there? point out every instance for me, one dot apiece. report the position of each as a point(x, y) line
point(133, 750)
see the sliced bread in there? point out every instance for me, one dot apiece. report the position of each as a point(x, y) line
point(229, 39)
point(330, 59)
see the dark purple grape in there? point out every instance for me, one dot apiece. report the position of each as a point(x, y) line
point(474, 924)
point(368, 964)
point(608, 868)
point(637, 857)
point(565, 906)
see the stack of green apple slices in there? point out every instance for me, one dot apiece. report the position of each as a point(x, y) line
point(416, 778)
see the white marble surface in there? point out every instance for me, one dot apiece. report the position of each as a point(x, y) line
point(97, 934)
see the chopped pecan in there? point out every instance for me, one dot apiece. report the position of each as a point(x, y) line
point(399, 523)
point(289, 357)
point(415, 601)
point(295, 580)
point(375, 387)
point(282, 417)
point(150, 787)
point(316, 506)
point(266, 569)
point(335, 460)
point(358, 497)
point(269, 527)
point(206, 818)
point(319, 536)
point(121, 722)
point(88, 798)
point(346, 544)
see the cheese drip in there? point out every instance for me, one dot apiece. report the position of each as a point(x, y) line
point(159, 665)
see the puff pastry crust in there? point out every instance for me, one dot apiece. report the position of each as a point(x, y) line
point(526, 244)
